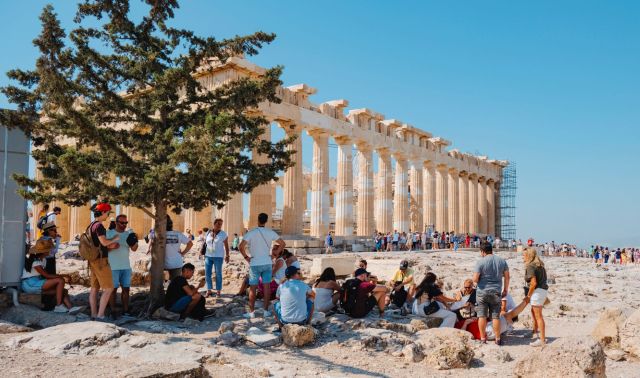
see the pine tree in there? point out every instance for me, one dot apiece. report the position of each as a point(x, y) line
point(118, 98)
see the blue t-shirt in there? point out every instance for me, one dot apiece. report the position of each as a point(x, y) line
point(119, 258)
point(491, 269)
point(293, 300)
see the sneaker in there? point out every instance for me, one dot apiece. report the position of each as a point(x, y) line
point(61, 309)
point(537, 343)
point(76, 309)
point(249, 315)
point(267, 314)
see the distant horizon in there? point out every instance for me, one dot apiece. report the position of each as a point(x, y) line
point(552, 86)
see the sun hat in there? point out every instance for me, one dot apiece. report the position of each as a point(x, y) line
point(42, 247)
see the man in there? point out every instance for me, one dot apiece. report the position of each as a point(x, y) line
point(488, 275)
point(173, 254)
point(183, 298)
point(50, 232)
point(120, 263)
point(295, 305)
point(47, 216)
point(235, 243)
point(402, 284)
point(101, 277)
point(259, 241)
point(328, 243)
point(367, 296)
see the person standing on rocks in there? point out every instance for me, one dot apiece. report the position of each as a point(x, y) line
point(120, 263)
point(536, 280)
point(488, 275)
point(328, 243)
point(259, 241)
point(217, 252)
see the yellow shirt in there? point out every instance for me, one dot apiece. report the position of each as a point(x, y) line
point(402, 276)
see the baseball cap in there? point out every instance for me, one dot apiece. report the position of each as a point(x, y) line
point(103, 207)
point(291, 271)
point(404, 264)
point(360, 271)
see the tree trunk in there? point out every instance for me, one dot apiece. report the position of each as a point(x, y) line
point(156, 292)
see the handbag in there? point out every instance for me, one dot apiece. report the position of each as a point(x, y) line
point(432, 308)
point(203, 248)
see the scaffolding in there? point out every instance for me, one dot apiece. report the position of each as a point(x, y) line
point(506, 216)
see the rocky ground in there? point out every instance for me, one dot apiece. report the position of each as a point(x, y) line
point(593, 329)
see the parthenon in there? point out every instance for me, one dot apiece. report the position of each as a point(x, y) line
point(428, 186)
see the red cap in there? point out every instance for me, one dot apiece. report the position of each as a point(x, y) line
point(103, 207)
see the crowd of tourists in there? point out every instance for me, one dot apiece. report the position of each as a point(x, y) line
point(428, 239)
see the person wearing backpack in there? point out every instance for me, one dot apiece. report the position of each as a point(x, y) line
point(101, 275)
point(360, 295)
point(328, 244)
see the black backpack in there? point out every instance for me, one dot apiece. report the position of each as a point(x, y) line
point(349, 294)
point(43, 220)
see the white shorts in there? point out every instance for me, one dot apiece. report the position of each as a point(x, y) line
point(538, 297)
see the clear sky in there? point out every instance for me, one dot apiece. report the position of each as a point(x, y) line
point(553, 86)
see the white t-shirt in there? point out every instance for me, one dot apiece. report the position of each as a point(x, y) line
point(511, 304)
point(259, 241)
point(172, 257)
point(215, 243)
point(34, 272)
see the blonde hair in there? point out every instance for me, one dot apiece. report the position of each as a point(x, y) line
point(531, 257)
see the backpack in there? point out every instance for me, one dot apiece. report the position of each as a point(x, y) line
point(349, 294)
point(88, 250)
point(42, 221)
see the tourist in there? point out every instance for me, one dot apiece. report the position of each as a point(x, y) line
point(488, 275)
point(50, 232)
point(402, 285)
point(395, 240)
point(120, 263)
point(173, 256)
point(424, 239)
point(328, 244)
point(258, 241)
point(536, 288)
point(290, 259)
point(41, 215)
point(618, 256)
point(295, 300)
point(327, 291)
point(101, 276)
point(468, 293)
point(217, 252)
point(431, 302)
point(183, 298)
point(636, 256)
point(36, 280)
point(508, 315)
point(367, 295)
point(379, 242)
point(455, 242)
point(190, 235)
point(606, 254)
point(278, 273)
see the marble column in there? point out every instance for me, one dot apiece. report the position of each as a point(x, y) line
point(261, 196)
point(401, 196)
point(491, 208)
point(197, 220)
point(365, 221)
point(416, 210)
point(442, 223)
point(463, 202)
point(293, 207)
point(384, 207)
point(320, 184)
point(473, 204)
point(344, 188)
point(139, 221)
point(80, 220)
point(232, 216)
point(63, 220)
point(482, 205)
point(429, 196)
point(452, 201)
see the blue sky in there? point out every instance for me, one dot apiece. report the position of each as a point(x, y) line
point(553, 86)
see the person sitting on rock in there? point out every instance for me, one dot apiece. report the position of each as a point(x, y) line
point(327, 291)
point(509, 312)
point(363, 264)
point(361, 294)
point(469, 292)
point(295, 300)
point(183, 298)
point(402, 285)
point(36, 280)
point(428, 293)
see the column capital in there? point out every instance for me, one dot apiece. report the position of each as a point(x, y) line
point(463, 173)
point(453, 171)
point(363, 147)
point(382, 151)
point(490, 181)
point(317, 133)
point(342, 139)
point(428, 164)
point(473, 176)
point(442, 167)
point(482, 179)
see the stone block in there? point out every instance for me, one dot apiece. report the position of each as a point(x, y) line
point(299, 244)
point(299, 251)
point(343, 265)
point(262, 338)
point(315, 244)
point(358, 248)
point(315, 251)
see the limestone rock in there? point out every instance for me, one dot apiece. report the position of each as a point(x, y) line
point(262, 338)
point(226, 326)
point(566, 357)
point(30, 316)
point(190, 322)
point(606, 331)
point(418, 325)
point(229, 338)
point(318, 318)
point(8, 327)
point(446, 348)
point(630, 334)
point(615, 354)
point(412, 353)
point(69, 338)
point(162, 313)
point(297, 335)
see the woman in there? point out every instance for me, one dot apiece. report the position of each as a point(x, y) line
point(290, 259)
point(427, 292)
point(327, 291)
point(278, 269)
point(35, 280)
point(217, 252)
point(536, 289)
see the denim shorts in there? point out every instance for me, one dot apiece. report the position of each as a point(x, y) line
point(121, 277)
point(181, 304)
point(259, 271)
point(33, 285)
point(489, 303)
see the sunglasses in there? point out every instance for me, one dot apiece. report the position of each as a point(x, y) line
point(123, 223)
point(468, 288)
